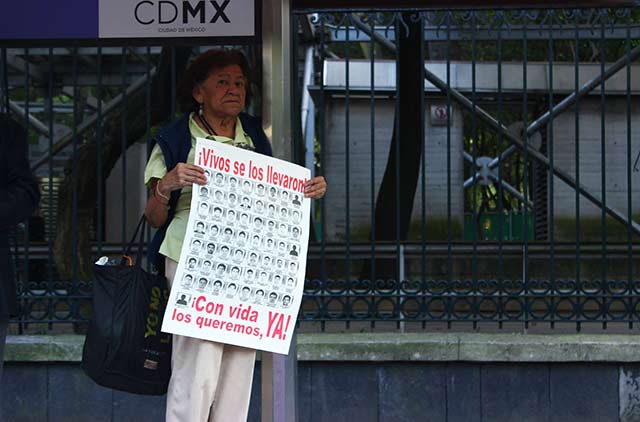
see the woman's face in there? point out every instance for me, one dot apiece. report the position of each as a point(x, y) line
point(223, 93)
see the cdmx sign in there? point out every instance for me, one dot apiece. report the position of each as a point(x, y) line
point(175, 18)
point(164, 12)
point(91, 19)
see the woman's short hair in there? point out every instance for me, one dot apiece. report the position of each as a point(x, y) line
point(200, 69)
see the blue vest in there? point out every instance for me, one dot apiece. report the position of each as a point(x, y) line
point(175, 142)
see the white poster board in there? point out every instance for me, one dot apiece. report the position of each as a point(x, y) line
point(176, 18)
point(241, 272)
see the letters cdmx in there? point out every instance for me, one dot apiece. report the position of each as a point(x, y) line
point(165, 12)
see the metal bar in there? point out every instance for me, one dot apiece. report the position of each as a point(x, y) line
point(496, 161)
point(401, 295)
point(570, 100)
point(101, 113)
point(89, 51)
point(423, 169)
point(577, 163)
point(493, 163)
point(525, 186)
point(488, 119)
point(23, 66)
point(372, 174)
point(360, 250)
point(513, 191)
point(449, 211)
point(4, 82)
point(550, 149)
point(515, 32)
point(89, 102)
point(25, 280)
point(32, 120)
point(603, 172)
point(584, 90)
point(347, 181)
point(630, 273)
point(338, 5)
point(474, 151)
point(321, 139)
point(50, 222)
point(75, 180)
point(501, 154)
point(396, 135)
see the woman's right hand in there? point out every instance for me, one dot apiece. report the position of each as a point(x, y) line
point(182, 175)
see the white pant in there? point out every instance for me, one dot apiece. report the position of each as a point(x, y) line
point(209, 381)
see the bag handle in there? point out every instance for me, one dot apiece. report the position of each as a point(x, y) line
point(140, 228)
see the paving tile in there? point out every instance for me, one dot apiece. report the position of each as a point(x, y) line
point(74, 397)
point(24, 392)
point(138, 408)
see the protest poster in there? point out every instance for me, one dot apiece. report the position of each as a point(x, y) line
point(241, 271)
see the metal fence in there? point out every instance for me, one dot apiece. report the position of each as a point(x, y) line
point(91, 113)
point(481, 166)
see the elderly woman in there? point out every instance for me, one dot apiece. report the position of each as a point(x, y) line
point(210, 381)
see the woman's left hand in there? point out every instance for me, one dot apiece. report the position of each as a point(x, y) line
point(315, 188)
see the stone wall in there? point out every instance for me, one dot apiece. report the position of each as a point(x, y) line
point(370, 378)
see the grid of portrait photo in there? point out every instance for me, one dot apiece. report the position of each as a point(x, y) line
point(245, 243)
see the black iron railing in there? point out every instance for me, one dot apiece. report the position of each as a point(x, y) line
point(482, 166)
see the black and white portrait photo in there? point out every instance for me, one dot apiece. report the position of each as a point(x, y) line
point(218, 179)
point(231, 290)
point(217, 287)
point(187, 280)
point(203, 282)
point(225, 252)
point(199, 228)
point(196, 245)
point(192, 263)
point(204, 193)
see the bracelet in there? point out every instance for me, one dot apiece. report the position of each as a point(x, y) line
point(160, 193)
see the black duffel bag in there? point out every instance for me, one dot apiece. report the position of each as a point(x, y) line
point(124, 348)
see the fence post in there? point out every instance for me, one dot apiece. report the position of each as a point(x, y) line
point(278, 371)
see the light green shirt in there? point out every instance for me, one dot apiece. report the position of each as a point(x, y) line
point(156, 169)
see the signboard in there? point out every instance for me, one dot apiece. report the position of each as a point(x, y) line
point(240, 276)
point(91, 19)
point(176, 18)
point(439, 115)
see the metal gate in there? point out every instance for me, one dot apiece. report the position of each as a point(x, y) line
point(482, 167)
